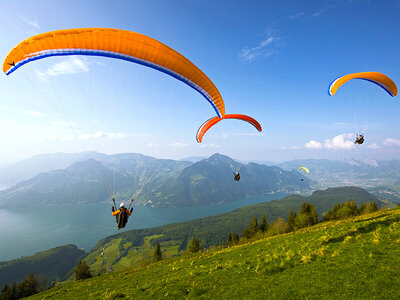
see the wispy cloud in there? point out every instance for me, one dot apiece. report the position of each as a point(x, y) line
point(374, 146)
point(265, 48)
point(178, 145)
point(61, 138)
point(210, 146)
point(322, 10)
point(109, 135)
point(32, 113)
point(59, 123)
point(297, 15)
point(249, 134)
point(70, 66)
point(153, 145)
point(391, 142)
point(33, 23)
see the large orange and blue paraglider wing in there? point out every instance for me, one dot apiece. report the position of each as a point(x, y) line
point(115, 43)
point(211, 122)
point(375, 77)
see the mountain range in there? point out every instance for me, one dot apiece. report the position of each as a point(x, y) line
point(95, 177)
point(157, 182)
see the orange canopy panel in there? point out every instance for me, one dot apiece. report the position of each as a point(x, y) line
point(115, 43)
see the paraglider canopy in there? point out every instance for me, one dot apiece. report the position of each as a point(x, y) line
point(115, 43)
point(305, 169)
point(211, 122)
point(375, 77)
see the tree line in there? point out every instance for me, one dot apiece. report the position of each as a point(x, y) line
point(307, 216)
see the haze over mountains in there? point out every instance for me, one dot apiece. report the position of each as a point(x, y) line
point(89, 177)
point(365, 173)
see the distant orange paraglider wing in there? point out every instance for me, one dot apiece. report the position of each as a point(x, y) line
point(211, 122)
point(375, 77)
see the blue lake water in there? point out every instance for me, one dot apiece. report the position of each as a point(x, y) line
point(28, 230)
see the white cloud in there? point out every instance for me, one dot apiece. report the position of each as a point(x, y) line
point(178, 145)
point(374, 146)
point(295, 147)
point(340, 142)
point(263, 49)
point(33, 23)
point(391, 142)
point(209, 146)
point(32, 113)
point(313, 145)
point(70, 66)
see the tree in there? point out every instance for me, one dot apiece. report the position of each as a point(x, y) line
point(82, 271)
point(276, 227)
point(253, 228)
point(194, 246)
point(14, 291)
point(157, 253)
point(233, 239)
point(291, 221)
point(264, 224)
point(246, 233)
point(313, 215)
point(6, 293)
point(29, 286)
point(304, 209)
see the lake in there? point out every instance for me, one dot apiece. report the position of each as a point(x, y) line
point(28, 230)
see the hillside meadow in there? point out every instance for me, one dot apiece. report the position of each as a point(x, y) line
point(352, 258)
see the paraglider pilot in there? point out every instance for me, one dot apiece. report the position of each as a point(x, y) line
point(236, 176)
point(359, 139)
point(122, 214)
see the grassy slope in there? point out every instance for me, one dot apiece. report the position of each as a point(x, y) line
point(137, 245)
point(357, 257)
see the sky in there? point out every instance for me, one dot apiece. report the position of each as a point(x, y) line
point(272, 60)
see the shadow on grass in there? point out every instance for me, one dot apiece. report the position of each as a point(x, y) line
point(364, 229)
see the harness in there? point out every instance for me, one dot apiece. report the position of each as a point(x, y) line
point(122, 218)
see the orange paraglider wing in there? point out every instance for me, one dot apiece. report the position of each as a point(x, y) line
point(211, 122)
point(115, 43)
point(375, 77)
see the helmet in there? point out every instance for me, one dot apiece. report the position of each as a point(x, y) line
point(122, 205)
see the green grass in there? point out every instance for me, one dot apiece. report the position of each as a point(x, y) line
point(135, 247)
point(353, 258)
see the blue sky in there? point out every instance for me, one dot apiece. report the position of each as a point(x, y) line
point(272, 60)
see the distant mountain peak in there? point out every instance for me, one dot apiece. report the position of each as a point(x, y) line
point(221, 159)
point(350, 161)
